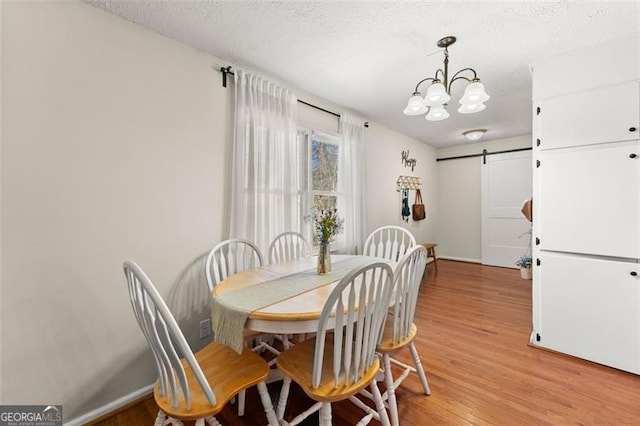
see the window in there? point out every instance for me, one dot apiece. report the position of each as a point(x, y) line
point(324, 154)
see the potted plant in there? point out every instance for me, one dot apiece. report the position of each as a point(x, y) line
point(525, 266)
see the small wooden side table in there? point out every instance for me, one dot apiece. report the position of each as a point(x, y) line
point(431, 253)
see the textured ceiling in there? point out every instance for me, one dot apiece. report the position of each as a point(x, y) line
point(368, 56)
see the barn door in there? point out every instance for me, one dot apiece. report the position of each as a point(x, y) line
point(506, 184)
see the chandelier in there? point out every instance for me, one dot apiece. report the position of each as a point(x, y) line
point(439, 92)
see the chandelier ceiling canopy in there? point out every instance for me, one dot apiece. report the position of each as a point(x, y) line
point(434, 102)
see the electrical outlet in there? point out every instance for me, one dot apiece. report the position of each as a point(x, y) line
point(205, 328)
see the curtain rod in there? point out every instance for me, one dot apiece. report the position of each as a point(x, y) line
point(483, 154)
point(227, 70)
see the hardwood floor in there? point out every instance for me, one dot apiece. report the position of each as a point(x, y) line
point(473, 329)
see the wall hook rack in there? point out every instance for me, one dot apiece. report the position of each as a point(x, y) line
point(407, 182)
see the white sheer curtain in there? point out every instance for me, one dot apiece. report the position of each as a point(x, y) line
point(269, 177)
point(351, 181)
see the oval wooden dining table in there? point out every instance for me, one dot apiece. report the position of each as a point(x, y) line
point(297, 314)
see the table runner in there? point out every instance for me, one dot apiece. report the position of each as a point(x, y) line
point(230, 310)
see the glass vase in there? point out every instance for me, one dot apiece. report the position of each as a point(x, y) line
point(324, 259)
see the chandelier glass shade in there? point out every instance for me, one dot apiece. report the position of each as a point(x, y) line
point(438, 93)
point(437, 113)
point(416, 105)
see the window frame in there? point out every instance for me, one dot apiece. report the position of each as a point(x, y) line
point(332, 139)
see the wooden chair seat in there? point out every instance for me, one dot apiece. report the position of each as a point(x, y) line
point(231, 373)
point(297, 364)
point(387, 345)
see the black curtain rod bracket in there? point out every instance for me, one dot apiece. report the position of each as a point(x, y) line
point(227, 70)
point(224, 72)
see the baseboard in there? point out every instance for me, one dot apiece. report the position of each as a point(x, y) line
point(460, 259)
point(110, 407)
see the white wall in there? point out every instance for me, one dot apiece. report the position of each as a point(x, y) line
point(384, 165)
point(1, 203)
point(459, 195)
point(114, 147)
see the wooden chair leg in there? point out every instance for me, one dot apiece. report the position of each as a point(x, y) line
point(241, 399)
point(391, 391)
point(420, 370)
point(266, 403)
point(212, 421)
point(286, 343)
point(284, 395)
point(160, 419)
point(325, 414)
point(300, 417)
point(384, 418)
point(163, 420)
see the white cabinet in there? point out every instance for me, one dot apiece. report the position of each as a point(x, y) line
point(586, 191)
point(590, 308)
point(605, 114)
point(590, 200)
point(582, 69)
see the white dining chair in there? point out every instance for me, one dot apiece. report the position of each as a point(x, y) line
point(231, 257)
point(389, 242)
point(191, 386)
point(400, 328)
point(341, 360)
point(288, 245)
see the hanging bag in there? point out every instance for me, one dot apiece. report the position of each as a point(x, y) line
point(405, 205)
point(418, 207)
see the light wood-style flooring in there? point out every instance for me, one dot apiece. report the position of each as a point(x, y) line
point(473, 330)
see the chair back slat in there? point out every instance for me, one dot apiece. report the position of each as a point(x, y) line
point(230, 257)
point(136, 298)
point(338, 338)
point(165, 339)
point(407, 280)
point(389, 242)
point(358, 306)
point(170, 360)
point(288, 246)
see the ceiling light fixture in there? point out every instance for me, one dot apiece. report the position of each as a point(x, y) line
point(475, 134)
point(439, 92)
